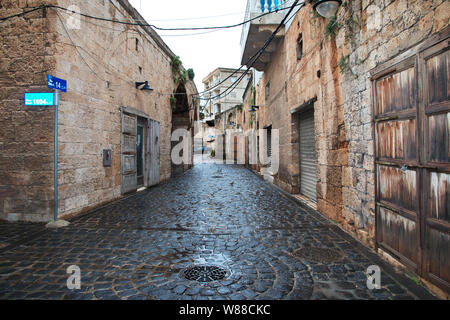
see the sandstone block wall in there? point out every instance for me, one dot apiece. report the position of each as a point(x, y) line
point(373, 32)
point(26, 133)
point(101, 62)
point(366, 34)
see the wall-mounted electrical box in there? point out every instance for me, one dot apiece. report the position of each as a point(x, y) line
point(107, 157)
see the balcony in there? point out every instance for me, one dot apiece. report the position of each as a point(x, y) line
point(256, 32)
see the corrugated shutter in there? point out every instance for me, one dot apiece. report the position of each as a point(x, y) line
point(308, 161)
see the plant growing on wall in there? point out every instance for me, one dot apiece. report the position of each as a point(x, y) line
point(191, 74)
point(343, 64)
point(173, 101)
point(176, 64)
point(332, 27)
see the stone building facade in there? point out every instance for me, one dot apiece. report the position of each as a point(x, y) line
point(219, 104)
point(102, 109)
point(325, 76)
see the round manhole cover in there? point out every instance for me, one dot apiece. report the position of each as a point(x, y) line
point(204, 273)
point(323, 255)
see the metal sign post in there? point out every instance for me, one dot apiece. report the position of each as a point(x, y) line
point(56, 156)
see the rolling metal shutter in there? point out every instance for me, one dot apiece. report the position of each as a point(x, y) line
point(308, 161)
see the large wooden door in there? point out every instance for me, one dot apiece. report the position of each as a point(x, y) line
point(128, 146)
point(412, 121)
point(435, 71)
point(153, 153)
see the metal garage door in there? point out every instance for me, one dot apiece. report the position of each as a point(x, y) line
point(308, 161)
point(412, 121)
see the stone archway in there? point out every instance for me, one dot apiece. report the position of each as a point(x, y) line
point(180, 120)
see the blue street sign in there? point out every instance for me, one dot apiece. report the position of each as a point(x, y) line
point(39, 99)
point(56, 83)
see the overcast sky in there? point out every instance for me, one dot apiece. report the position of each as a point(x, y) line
point(202, 52)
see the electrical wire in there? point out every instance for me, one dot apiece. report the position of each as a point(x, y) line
point(23, 13)
point(141, 23)
point(256, 56)
point(252, 59)
point(246, 63)
point(198, 18)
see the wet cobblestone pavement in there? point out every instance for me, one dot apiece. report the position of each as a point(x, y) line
point(222, 215)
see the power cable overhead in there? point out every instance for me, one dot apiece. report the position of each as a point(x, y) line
point(256, 56)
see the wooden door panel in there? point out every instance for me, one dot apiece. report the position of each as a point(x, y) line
point(438, 76)
point(439, 204)
point(438, 253)
point(436, 116)
point(128, 150)
point(129, 124)
point(397, 140)
point(396, 92)
point(412, 134)
point(128, 164)
point(398, 234)
point(398, 188)
point(128, 144)
point(397, 198)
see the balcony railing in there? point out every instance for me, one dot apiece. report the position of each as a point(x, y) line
point(269, 5)
point(250, 30)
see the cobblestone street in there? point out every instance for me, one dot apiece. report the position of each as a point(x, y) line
point(222, 215)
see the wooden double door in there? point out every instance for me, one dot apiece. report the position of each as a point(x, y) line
point(140, 147)
point(411, 107)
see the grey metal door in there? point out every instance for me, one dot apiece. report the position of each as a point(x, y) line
point(153, 153)
point(308, 161)
point(128, 147)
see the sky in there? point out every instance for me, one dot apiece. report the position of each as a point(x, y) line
point(203, 52)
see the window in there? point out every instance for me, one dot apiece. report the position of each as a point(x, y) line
point(267, 90)
point(217, 108)
point(137, 44)
point(300, 47)
point(233, 79)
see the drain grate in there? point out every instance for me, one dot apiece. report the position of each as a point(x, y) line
point(216, 177)
point(204, 273)
point(323, 255)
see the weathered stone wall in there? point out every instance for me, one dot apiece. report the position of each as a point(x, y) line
point(367, 33)
point(26, 133)
point(373, 32)
point(101, 62)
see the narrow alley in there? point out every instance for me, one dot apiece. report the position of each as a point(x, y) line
point(246, 239)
